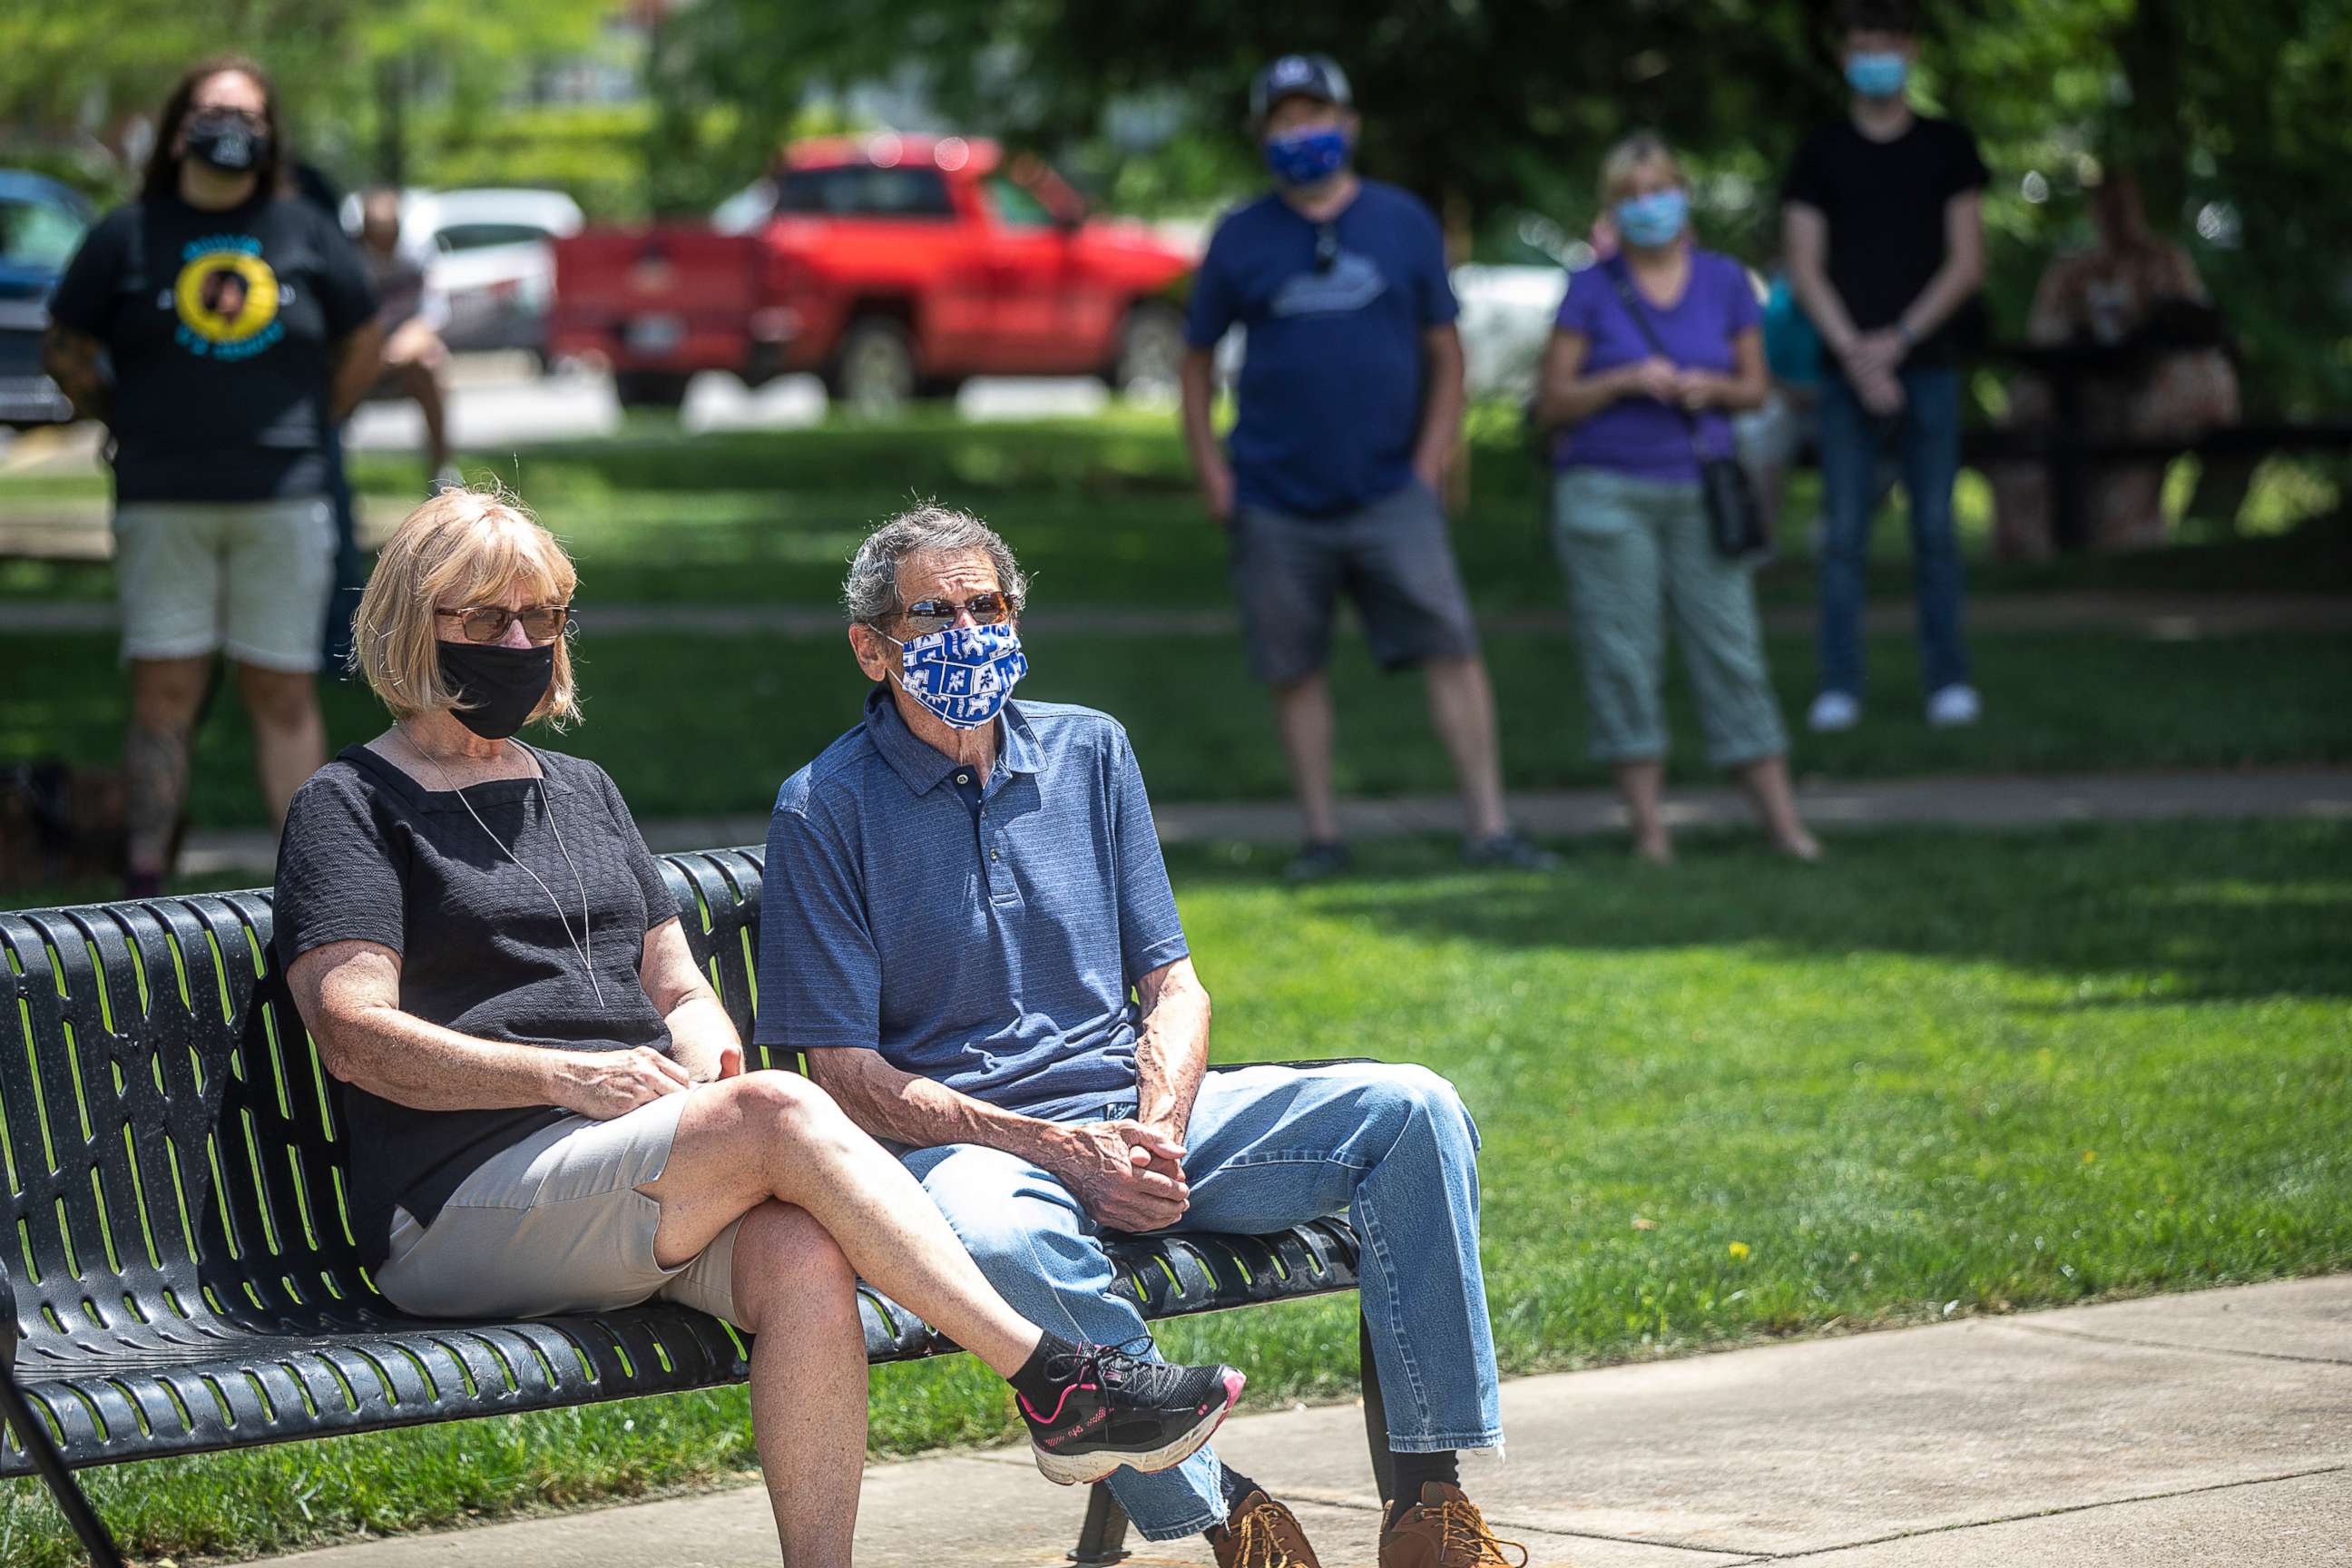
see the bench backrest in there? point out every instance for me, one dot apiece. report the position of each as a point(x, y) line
point(171, 1145)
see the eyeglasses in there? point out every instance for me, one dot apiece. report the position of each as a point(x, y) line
point(489, 622)
point(1327, 246)
point(986, 609)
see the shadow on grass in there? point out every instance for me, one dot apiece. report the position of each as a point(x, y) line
point(2142, 915)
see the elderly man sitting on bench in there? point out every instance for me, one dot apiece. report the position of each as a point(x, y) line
point(974, 942)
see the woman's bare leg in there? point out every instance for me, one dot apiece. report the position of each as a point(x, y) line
point(773, 1135)
point(1639, 784)
point(808, 1380)
point(1766, 783)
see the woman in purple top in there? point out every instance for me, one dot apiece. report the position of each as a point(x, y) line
point(1629, 520)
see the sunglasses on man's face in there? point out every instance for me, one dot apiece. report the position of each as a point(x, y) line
point(934, 615)
point(489, 622)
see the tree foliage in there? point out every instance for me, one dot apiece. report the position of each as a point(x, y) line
point(2230, 114)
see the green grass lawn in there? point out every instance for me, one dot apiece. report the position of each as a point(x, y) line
point(1103, 511)
point(1944, 1073)
point(2056, 702)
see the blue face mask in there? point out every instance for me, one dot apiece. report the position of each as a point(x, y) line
point(1880, 75)
point(1304, 157)
point(962, 674)
point(1654, 219)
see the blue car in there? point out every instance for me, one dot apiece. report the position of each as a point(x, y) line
point(41, 224)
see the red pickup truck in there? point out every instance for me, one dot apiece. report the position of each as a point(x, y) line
point(893, 266)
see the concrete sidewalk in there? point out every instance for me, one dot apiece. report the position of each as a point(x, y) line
point(2319, 794)
point(2213, 1428)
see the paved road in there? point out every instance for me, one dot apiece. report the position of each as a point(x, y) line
point(2213, 1430)
point(495, 402)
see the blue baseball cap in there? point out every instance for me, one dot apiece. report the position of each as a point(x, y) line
point(1299, 76)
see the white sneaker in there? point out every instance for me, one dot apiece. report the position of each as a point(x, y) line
point(1954, 706)
point(1833, 712)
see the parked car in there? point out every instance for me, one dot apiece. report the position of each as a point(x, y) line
point(490, 254)
point(41, 225)
point(895, 266)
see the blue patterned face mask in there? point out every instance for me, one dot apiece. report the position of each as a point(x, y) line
point(962, 674)
point(1304, 157)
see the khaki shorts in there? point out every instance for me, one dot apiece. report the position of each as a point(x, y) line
point(556, 1224)
point(250, 577)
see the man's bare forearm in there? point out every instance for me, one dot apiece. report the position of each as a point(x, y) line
point(902, 1107)
point(1440, 413)
point(1173, 1049)
point(1196, 380)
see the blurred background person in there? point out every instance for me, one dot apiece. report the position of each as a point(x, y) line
point(1884, 239)
point(412, 314)
point(1351, 399)
point(1630, 519)
point(2156, 369)
point(237, 328)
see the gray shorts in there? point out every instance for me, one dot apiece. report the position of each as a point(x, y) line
point(250, 577)
point(1392, 558)
point(556, 1224)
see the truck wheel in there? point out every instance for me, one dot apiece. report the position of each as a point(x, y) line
point(1150, 352)
point(650, 388)
point(874, 372)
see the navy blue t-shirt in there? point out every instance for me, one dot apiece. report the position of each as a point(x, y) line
point(1332, 379)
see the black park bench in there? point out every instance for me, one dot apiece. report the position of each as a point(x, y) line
point(178, 1274)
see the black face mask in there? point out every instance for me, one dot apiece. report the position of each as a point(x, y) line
point(497, 687)
point(226, 140)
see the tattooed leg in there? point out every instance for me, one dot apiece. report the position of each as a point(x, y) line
point(165, 694)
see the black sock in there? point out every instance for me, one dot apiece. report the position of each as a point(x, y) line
point(1238, 1486)
point(1038, 1389)
point(1412, 1469)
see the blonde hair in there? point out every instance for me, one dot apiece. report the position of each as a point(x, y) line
point(1630, 157)
point(461, 549)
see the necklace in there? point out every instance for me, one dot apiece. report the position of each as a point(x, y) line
point(585, 944)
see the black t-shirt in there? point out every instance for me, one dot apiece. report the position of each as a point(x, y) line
point(371, 855)
point(1885, 204)
point(220, 326)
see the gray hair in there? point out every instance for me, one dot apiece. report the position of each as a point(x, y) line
point(870, 594)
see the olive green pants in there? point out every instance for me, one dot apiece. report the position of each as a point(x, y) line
point(1636, 552)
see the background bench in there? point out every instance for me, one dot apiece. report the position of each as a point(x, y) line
point(178, 1273)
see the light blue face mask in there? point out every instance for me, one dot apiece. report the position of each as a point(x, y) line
point(963, 675)
point(1653, 220)
point(1878, 74)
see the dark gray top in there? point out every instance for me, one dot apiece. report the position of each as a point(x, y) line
point(371, 855)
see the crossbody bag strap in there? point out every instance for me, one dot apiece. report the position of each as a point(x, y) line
point(1624, 283)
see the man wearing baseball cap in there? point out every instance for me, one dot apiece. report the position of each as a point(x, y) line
point(1350, 405)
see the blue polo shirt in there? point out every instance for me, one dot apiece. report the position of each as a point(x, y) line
point(994, 950)
point(1333, 373)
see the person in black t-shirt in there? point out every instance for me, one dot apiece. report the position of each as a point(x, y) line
point(547, 1104)
point(1885, 246)
point(236, 328)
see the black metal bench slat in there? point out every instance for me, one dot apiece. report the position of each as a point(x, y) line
point(183, 1276)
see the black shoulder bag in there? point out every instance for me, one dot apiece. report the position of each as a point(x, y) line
point(1734, 520)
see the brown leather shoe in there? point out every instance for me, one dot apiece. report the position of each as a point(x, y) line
point(1445, 1531)
point(1262, 1533)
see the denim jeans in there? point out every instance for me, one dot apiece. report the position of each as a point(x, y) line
point(1267, 1147)
point(1927, 436)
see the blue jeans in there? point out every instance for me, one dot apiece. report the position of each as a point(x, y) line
point(1927, 436)
point(1271, 1147)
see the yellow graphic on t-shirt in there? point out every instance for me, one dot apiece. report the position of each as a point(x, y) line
point(226, 299)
